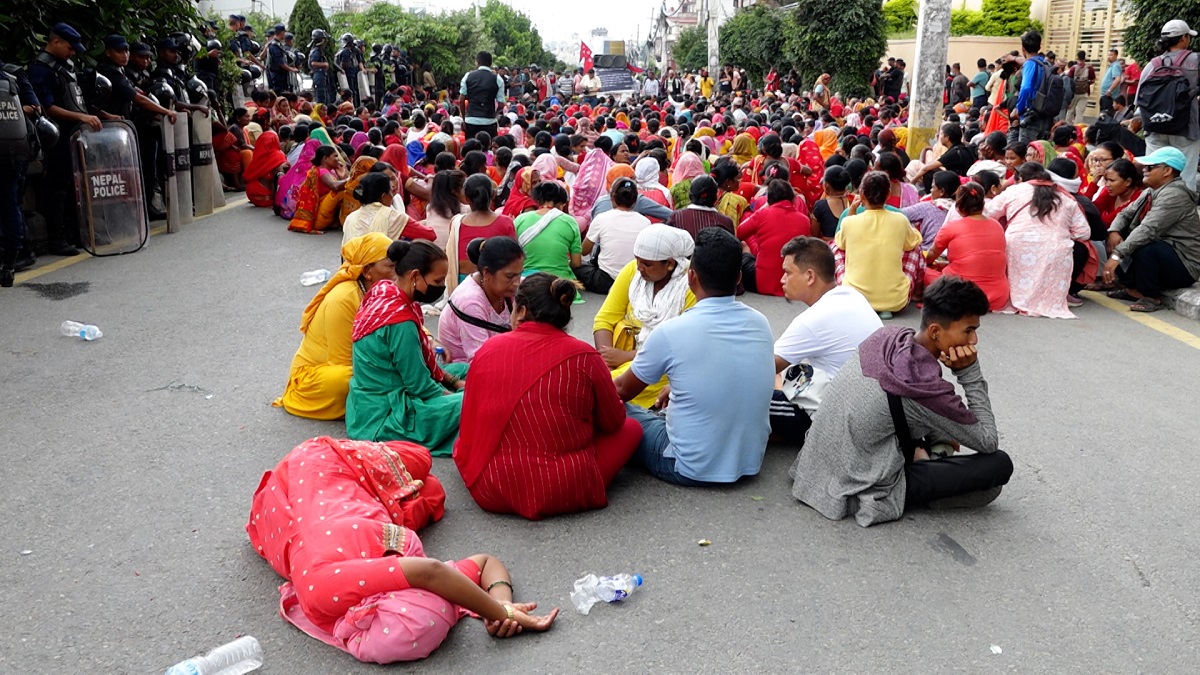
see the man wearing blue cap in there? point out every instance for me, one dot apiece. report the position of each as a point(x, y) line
point(124, 95)
point(1154, 244)
point(53, 78)
point(1176, 36)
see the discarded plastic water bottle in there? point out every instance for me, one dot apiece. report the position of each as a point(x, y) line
point(80, 330)
point(439, 355)
point(589, 590)
point(240, 656)
point(315, 277)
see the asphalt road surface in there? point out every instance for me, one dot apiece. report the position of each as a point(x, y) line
point(129, 464)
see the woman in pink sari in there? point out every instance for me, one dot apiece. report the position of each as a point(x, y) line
point(1041, 222)
point(589, 183)
point(289, 186)
point(337, 519)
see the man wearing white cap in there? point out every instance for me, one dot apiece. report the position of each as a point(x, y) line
point(1154, 244)
point(1166, 123)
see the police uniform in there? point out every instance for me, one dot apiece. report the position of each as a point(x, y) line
point(120, 100)
point(320, 75)
point(12, 185)
point(348, 62)
point(208, 69)
point(149, 136)
point(277, 74)
point(379, 64)
point(55, 84)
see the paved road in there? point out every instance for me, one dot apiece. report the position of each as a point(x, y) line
point(132, 499)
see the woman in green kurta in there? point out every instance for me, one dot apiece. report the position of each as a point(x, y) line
point(398, 391)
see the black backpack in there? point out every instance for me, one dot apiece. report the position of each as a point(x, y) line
point(1164, 98)
point(14, 128)
point(1048, 101)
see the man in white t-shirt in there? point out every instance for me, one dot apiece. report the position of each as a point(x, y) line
point(820, 340)
point(614, 232)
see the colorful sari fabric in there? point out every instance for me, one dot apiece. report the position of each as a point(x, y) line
point(259, 174)
point(743, 148)
point(589, 185)
point(519, 199)
point(350, 203)
point(336, 519)
point(288, 192)
point(397, 392)
point(316, 209)
point(826, 140)
point(688, 167)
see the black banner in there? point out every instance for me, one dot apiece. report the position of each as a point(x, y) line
point(615, 79)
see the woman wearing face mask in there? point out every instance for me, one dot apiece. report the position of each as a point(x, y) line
point(398, 390)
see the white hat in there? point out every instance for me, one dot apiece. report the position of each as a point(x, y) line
point(1177, 28)
point(663, 242)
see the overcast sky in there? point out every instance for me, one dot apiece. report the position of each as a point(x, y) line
point(554, 21)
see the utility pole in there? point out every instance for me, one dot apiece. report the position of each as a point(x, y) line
point(929, 72)
point(714, 17)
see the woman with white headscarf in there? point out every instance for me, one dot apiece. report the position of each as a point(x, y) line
point(651, 289)
point(645, 174)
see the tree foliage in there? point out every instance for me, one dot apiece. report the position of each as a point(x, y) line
point(1141, 35)
point(306, 17)
point(27, 24)
point(447, 42)
point(819, 42)
point(900, 15)
point(690, 51)
point(754, 39)
point(1005, 18)
point(510, 36)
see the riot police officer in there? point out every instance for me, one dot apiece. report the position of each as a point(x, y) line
point(56, 86)
point(379, 68)
point(295, 59)
point(347, 61)
point(148, 134)
point(318, 63)
point(208, 62)
point(13, 162)
point(170, 69)
point(278, 69)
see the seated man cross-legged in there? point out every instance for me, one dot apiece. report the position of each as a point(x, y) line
point(717, 360)
point(873, 450)
point(818, 342)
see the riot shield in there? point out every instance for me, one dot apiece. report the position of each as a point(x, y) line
point(183, 168)
point(364, 85)
point(108, 189)
point(343, 83)
point(203, 166)
point(171, 189)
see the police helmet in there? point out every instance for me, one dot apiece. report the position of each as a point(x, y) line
point(161, 90)
point(319, 35)
point(212, 44)
point(387, 49)
point(247, 78)
point(197, 90)
point(255, 71)
point(347, 38)
point(47, 132)
point(255, 47)
point(289, 36)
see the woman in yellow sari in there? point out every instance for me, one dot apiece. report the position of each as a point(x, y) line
point(320, 374)
point(320, 194)
point(826, 140)
point(350, 203)
point(743, 150)
point(651, 289)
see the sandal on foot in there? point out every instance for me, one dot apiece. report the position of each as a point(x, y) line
point(1146, 305)
point(1120, 294)
point(1099, 286)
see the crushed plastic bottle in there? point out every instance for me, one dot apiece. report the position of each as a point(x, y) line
point(240, 656)
point(591, 589)
point(315, 277)
point(80, 330)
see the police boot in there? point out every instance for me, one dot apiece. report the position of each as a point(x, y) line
point(7, 273)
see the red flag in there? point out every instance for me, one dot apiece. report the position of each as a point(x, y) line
point(585, 55)
point(633, 68)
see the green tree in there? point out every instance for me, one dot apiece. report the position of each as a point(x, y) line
point(27, 24)
point(1006, 17)
point(264, 21)
point(753, 39)
point(818, 42)
point(1141, 36)
point(509, 35)
point(969, 22)
point(306, 17)
point(690, 51)
point(900, 15)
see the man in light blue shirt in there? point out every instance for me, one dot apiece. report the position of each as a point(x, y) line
point(1110, 82)
point(718, 359)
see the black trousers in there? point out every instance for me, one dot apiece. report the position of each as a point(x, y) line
point(1079, 258)
point(952, 476)
point(469, 130)
point(788, 421)
point(593, 278)
point(1155, 268)
point(56, 198)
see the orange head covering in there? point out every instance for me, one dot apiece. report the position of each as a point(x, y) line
point(826, 140)
point(617, 171)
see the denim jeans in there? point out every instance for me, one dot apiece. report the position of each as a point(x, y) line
point(654, 443)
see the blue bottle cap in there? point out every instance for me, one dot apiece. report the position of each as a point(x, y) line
point(637, 579)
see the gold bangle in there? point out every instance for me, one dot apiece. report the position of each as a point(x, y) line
point(508, 608)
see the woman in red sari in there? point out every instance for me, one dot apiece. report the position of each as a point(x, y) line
point(543, 431)
point(263, 172)
point(337, 519)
